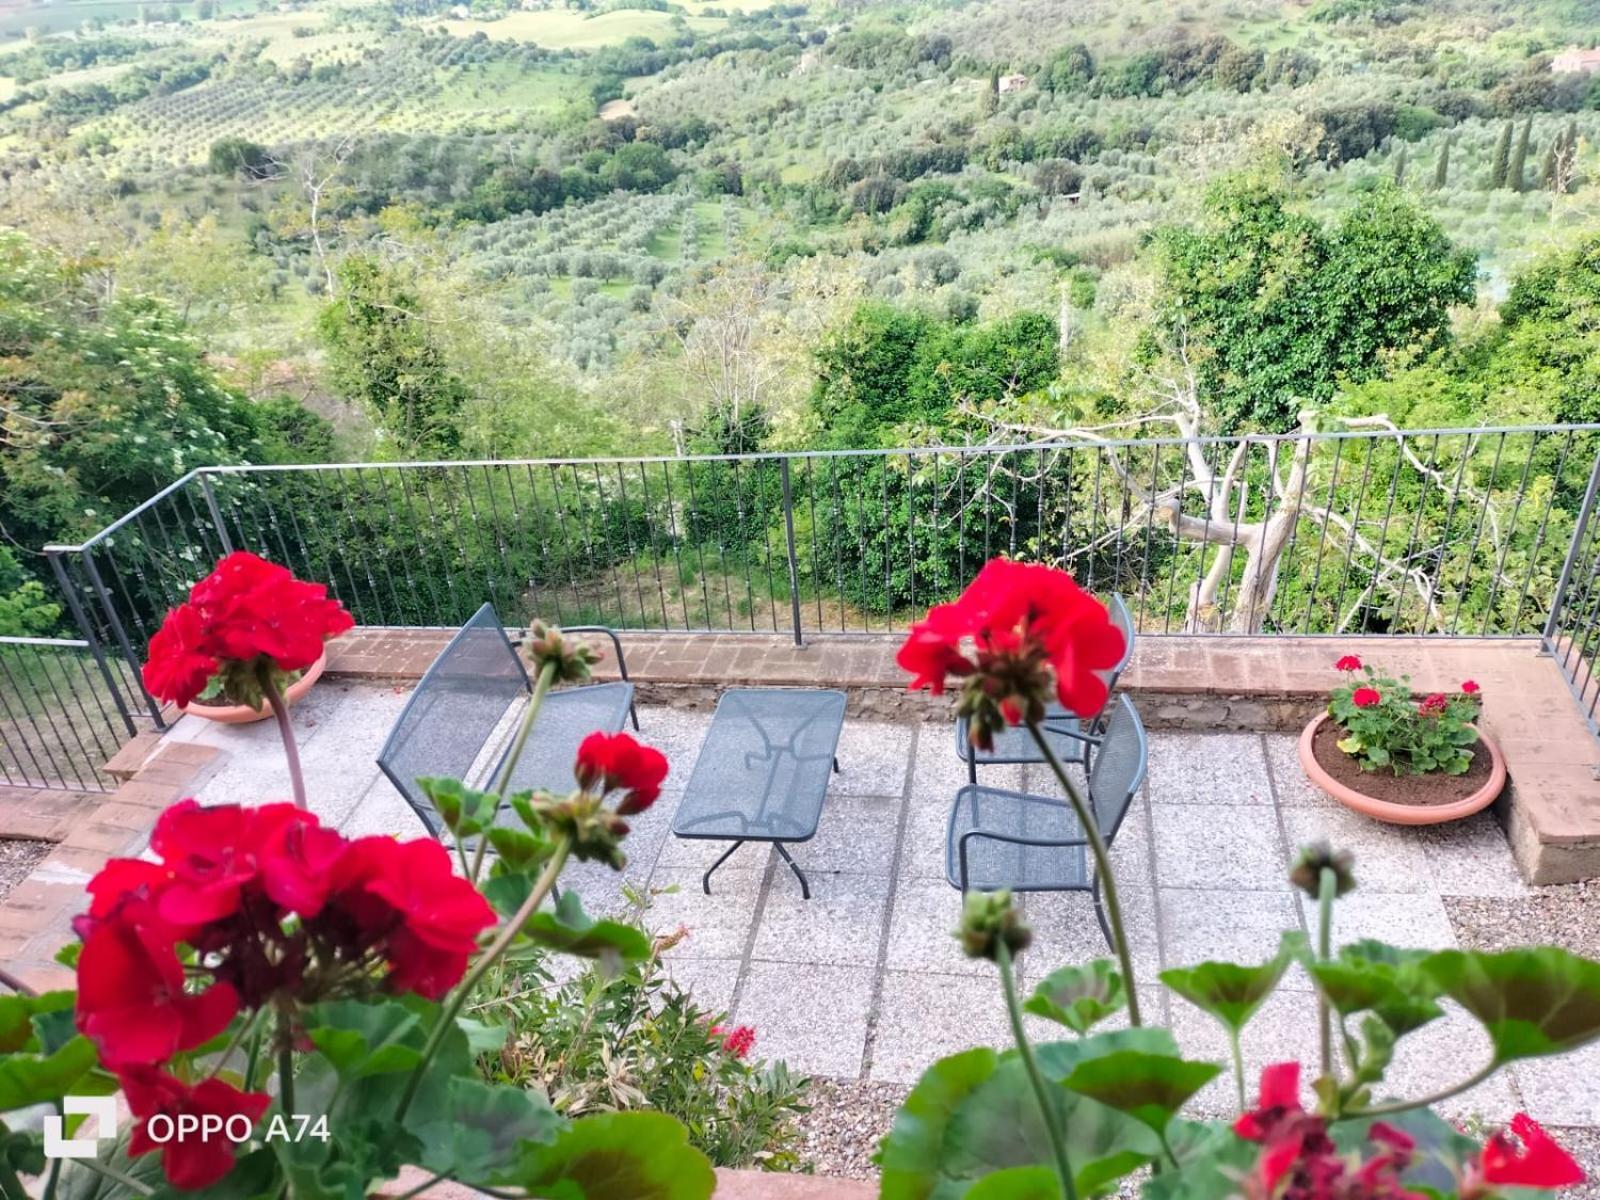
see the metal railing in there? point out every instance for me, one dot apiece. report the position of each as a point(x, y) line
point(1449, 532)
point(61, 718)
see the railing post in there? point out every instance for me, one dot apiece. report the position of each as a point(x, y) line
point(216, 513)
point(1579, 529)
point(794, 561)
point(75, 606)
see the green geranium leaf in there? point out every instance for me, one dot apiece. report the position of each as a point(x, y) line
point(1150, 1088)
point(1213, 1172)
point(27, 1079)
point(615, 1156)
point(1017, 1183)
point(570, 929)
point(518, 848)
point(17, 1013)
point(480, 1133)
point(482, 1037)
point(1535, 1001)
point(1078, 997)
point(1389, 982)
point(1232, 993)
point(465, 811)
point(361, 1038)
point(974, 1114)
point(506, 889)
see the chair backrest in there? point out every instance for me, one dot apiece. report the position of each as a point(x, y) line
point(458, 705)
point(1119, 765)
point(1123, 620)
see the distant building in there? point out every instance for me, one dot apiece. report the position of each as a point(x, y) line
point(1013, 83)
point(1573, 61)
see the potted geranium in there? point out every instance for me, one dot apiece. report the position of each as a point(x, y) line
point(252, 636)
point(1081, 1114)
point(1398, 757)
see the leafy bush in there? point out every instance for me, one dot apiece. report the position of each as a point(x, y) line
point(615, 1041)
point(1385, 729)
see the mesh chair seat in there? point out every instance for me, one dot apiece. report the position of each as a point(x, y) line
point(991, 815)
point(568, 716)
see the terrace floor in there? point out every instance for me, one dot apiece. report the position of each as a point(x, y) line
point(865, 981)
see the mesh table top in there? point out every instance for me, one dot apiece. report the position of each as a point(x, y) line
point(763, 771)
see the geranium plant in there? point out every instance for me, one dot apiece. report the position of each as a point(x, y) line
point(282, 1007)
point(1386, 728)
point(1076, 1117)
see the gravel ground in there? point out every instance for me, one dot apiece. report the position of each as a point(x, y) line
point(1568, 916)
point(17, 861)
point(846, 1122)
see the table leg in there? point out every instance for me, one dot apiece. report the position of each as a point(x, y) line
point(705, 881)
point(805, 888)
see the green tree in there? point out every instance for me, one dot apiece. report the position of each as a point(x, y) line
point(1516, 170)
point(103, 403)
point(1501, 165)
point(1277, 309)
point(1400, 167)
point(1441, 169)
point(384, 356)
point(237, 156)
point(26, 609)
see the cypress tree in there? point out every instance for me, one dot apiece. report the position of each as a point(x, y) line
point(1516, 175)
point(1502, 159)
point(1441, 169)
point(1400, 166)
point(1547, 172)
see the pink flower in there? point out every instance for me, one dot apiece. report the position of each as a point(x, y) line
point(739, 1041)
point(1470, 688)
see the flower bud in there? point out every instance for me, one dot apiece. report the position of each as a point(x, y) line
point(547, 644)
point(988, 921)
point(1306, 874)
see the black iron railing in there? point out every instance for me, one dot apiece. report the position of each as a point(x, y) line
point(1449, 532)
point(62, 716)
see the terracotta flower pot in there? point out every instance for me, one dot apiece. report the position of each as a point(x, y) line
point(243, 714)
point(1403, 814)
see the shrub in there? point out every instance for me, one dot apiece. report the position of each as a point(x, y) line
point(1385, 729)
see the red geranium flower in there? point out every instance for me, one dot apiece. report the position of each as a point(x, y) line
point(1539, 1163)
point(1348, 663)
point(246, 609)
point(403, 899)
point(1365, 697)
point(1017, 617)
point(179, 665)
point(610, 762)
point(1434, 702)
point(131, 998)
point(201, 1157)
point(1470, 688)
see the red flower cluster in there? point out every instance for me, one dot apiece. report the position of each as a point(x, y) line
point(190, 1163)
point(1348, 663)
point(1299, 1161)
point(1470, 688)
point(1539, 1163)
point(738, 1041)
point(1023, 623)
point(1433, 703)
point(610, 762)
point(273, 904)
point(1365, 697)
point(245, 610)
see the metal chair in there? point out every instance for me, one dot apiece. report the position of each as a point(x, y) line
point(1064, 730)
point(470, 693)
point(1003, 839)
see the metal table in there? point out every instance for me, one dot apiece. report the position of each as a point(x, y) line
point(763, 772)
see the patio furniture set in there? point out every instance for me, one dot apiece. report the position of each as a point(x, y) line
point(763, 771)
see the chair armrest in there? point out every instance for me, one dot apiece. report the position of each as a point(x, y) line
point(616, 642)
